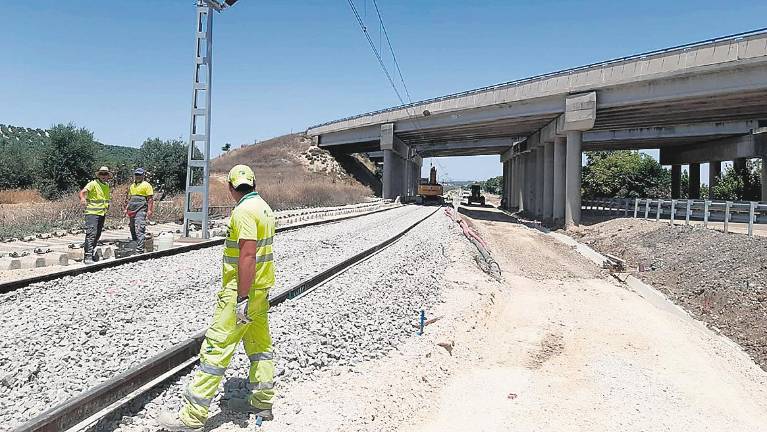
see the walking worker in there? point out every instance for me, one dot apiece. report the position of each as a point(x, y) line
point(241, 312)
point(139, 208)
point(96, 196)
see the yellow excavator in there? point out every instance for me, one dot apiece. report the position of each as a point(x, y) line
point(431, 192)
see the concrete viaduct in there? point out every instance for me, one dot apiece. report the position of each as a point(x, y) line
point(704, 102)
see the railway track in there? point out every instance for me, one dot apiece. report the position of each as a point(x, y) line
point(11, 286)
point(89, 407)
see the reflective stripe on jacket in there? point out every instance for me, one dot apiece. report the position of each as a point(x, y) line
point(98, 198)
point(252, 219)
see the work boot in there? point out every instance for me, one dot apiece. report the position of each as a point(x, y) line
point(170, 421)
point(88, 261)
point(244, 406)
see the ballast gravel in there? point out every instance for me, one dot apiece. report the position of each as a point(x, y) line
point(360, 315)
point(65, 336)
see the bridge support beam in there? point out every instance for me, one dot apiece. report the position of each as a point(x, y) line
point(560, 155)
point(515, 169)
point(573, 181)
point(540, 164)
point(676, 181)
point(548, 182)
point(714, 172)
point(694, 192)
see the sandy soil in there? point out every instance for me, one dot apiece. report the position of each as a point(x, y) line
point(556, 346)
point(719, 278)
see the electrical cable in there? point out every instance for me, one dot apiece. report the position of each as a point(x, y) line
point(375, 50)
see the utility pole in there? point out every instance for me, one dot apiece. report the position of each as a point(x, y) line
point(198, 158)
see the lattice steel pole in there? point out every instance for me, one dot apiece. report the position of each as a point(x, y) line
point(198, 165)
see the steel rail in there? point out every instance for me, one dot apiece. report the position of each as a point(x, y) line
point(118, 392)
point(639, 56)
point(101, 265)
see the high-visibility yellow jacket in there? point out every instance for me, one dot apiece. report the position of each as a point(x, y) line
point(143, 189)
point(252, 219)
point(138, 195)
point(98, 198)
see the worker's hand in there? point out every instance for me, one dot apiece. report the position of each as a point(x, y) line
point(241, 310)
point(83, 201)
point(149, 214)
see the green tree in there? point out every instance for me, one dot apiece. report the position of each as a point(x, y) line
point(624, 173)
point(165, 160)
point(226, 147)
point(493, 185)
point(740, 184)
point(67, 161)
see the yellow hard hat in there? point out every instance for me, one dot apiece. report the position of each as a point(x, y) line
point(240, 175)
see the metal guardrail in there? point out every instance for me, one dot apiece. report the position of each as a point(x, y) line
point(735, 36)
point(747, 212)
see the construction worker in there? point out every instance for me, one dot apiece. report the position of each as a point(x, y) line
point(95, 196)
point(241, 312)
point(139, 208)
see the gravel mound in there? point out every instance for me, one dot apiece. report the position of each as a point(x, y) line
point(360, 315)
point(721, 279)
point(65, 336)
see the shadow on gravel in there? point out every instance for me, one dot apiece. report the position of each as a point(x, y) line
point(486, 214)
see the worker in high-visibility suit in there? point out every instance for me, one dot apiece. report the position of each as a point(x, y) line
point(96, 196)
point(139, 208)
point(241, 312)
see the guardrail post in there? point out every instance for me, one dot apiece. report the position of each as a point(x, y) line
point(751, 218)
point(727, 206)
point(657, 212)
point(706, 205)
point(636, 207)
point(673, 211)
point(626, 204)
point(687, 213)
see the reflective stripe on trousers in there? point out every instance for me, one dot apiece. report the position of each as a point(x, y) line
point(217, 349)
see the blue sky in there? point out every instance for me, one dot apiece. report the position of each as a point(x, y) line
point(123, 68)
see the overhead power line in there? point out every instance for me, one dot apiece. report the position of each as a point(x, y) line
point(375, 50)
point(393, 56)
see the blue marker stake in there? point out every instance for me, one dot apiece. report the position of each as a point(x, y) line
point(423, 321)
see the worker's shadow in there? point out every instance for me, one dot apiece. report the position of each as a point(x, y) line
point(231, 391)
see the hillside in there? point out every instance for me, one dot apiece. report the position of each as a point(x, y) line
point(291, 172)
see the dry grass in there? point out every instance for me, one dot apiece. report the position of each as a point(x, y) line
point(282, 179)
point(20, 196)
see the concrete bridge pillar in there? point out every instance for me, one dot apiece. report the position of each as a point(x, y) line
point(522, 190)
point(739, 164)
point(397, 169)
point(507, 176)
point(676, 181)
point(516, 168)
point(548, 182)
point(540, 164)
point(573, 179)
point(764, 179)
point(694, 192)
point(389, 174)
point(560, 152)
point(532, 163)
point(714, 172)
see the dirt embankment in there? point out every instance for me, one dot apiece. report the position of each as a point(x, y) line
point(720, 279)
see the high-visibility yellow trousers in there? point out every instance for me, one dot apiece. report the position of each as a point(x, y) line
point(217, 349)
